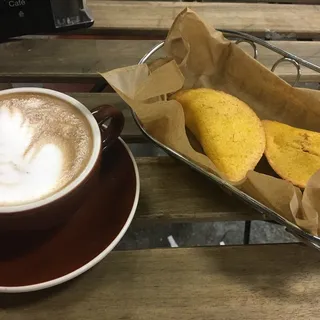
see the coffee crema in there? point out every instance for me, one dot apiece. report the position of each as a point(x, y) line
point(45, 144)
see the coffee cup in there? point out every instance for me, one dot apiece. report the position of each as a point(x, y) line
point(50, 155)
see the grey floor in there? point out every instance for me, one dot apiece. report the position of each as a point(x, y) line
point(197, 234)
point(202, 234)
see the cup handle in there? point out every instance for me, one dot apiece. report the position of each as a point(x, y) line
point(111, 131)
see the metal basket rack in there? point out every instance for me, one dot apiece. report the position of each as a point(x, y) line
point(269, 214)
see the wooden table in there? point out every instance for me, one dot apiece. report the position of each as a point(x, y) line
point(237, 282)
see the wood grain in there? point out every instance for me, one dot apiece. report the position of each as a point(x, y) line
point(232, 283)
point(269, 1)
point(171, 192)
point(131, 132)
point(192, 197)
point(157, 17)
point(81, 60)
point(67, 60)
point(250, 1)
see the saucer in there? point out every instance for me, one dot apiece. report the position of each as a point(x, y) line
point(39, 260)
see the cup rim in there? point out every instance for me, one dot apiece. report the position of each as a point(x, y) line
point(96, 259)
point(96, 135)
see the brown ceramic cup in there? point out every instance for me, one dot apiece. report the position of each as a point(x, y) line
point(106, 123)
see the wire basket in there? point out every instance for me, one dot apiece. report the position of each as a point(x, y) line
point(268, 214)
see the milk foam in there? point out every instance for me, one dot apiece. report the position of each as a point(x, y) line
point(44, 145)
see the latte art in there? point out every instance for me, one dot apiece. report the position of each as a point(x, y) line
point(45, 143)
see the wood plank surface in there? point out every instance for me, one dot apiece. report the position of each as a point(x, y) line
point(131, 133)
point(157, 17)
point(81, 60)
point(231, 283)
point(192, 197)
point(267, 1)
point(171, 192)
point(250, 1)
point(67, 60)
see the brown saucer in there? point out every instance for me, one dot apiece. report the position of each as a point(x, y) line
point(39, 260)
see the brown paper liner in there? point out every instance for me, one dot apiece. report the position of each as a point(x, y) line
point(199, 56)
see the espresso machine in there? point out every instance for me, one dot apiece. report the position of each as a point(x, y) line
point(26, 17)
